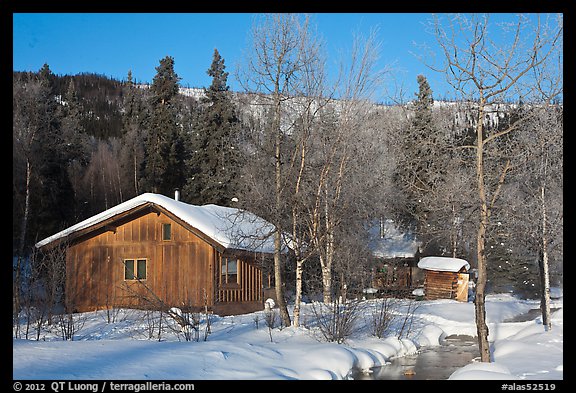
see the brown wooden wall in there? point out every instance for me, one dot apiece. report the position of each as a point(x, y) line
point(180, 271)
point(249, 288)
point(440, 285)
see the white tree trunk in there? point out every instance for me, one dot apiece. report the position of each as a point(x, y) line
point(544, 270)
point(479, 302)
point(298, 298)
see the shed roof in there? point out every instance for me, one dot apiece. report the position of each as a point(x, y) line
point(230, 227)
point(443, 264)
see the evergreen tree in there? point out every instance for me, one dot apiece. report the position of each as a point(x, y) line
point(132, 154)
point(164, 151)
point(73, 133)
point(213, 166)
point(75, 145)
point(415, 174)
point(423, 121)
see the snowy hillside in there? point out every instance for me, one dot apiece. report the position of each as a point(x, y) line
point(254, 105)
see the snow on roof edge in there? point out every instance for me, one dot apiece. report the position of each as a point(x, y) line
point(443, 264)
point(213, 220)
point(122, 207)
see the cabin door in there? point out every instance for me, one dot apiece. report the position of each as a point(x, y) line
point(462, 288)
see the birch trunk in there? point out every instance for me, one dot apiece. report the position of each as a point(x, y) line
point(278, 281)
point(544, 271)
point(298, 297)
point(479, 302)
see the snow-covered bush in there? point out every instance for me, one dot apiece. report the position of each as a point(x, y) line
point(337, 321)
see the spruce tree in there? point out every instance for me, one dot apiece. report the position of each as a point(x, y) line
point(423, 104)
point(132, 154)
point(73, 133)
point(213, 166)
point(415, 172)
point(163, 171)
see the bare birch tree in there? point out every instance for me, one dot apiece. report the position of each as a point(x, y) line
point(484, 70)
point(33, 111)
point(537, 192)
point(281, 54)
point(547, 165)
point(343, 144)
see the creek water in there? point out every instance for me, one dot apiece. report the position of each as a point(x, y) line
point(430, 363)
point(437, 362)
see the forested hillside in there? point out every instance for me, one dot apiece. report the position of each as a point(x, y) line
point(84, 143)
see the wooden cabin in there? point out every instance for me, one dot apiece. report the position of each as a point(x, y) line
point(445, 278)
point(394, 253)
point(395, 276)
point(153, 250)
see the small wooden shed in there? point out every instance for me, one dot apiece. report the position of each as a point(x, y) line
point(159, 248)
point(445, 278)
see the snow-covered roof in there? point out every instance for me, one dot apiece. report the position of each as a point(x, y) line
point(443, 264)
point(389, 242)
point(230, 227)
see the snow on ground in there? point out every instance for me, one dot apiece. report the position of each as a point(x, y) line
point(237, 349)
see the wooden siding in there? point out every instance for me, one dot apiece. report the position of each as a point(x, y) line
point(445, 285)
point(179, 271)
point(249, 287)
point(183, 271)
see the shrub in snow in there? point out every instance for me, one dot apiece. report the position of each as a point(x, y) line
point(188, 323)
point(337, 321)
point(176, 311)
point(382, 317)
point(271, 318)
point(418, 292)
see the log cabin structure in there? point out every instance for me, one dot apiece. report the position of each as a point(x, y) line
point(154, 251)
point(445, 278)
point(395, 254)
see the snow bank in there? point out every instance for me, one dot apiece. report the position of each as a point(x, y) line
point(237, 349)
point(527, 352)
point(378, 352)
point(482, 371)
point(532, 352)
point(431, 335)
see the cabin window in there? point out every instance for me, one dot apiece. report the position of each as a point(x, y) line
point(135, 269)
point(229, 271)
point(166, 231)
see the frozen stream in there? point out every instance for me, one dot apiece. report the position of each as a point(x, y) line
point(430, 363)
point(437, 362)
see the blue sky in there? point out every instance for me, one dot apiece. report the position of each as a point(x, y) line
point(113, 43)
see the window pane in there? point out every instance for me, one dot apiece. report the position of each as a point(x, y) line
point(128, 269)
point(232, 266)
point(142, 269)
point(166, 231)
